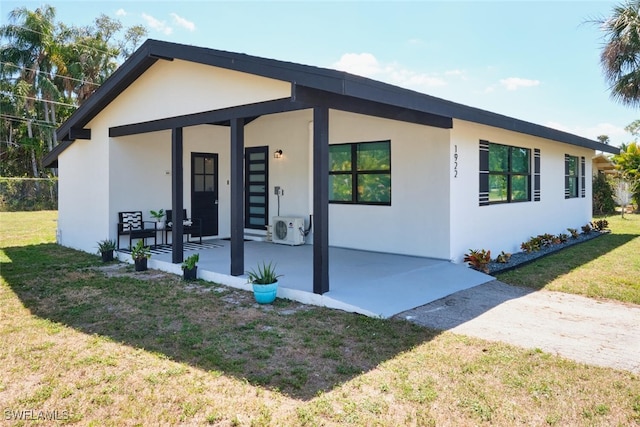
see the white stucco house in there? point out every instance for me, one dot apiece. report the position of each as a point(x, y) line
point(376, 167)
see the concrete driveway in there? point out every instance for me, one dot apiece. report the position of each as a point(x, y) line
point(600, 333)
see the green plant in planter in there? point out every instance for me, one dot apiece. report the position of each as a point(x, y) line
point(264, 281)
point(190, 262)
point(140, 254)
point(157, 215)
point(189, 267)
point(106, 248)
point(478, 259)
point(263, 275)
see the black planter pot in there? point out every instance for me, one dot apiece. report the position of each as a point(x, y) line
point(190, 274)
point(107, 256)
point(141, 264)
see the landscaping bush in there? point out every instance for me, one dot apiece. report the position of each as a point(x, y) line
point(478, 259)
point(603, 195)
point(28, 194)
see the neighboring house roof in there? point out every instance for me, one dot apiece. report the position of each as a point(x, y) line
point(602, 162)
point(323, 79)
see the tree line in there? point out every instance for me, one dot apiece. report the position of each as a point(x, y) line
point(47, 70)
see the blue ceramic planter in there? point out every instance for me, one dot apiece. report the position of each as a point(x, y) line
point(265, 294)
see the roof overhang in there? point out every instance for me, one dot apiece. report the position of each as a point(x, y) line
point(311, 86)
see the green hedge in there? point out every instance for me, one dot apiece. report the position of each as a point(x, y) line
point(28, 194)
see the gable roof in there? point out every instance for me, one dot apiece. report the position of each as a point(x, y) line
point(335, 82)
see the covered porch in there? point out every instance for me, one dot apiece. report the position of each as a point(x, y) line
point(370, 283)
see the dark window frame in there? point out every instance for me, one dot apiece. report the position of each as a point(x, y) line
point(509, 174)
point(354, 173)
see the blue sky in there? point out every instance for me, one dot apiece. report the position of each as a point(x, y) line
point(533, 60)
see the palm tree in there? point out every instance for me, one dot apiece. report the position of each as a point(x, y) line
point(29, 58)
point(620, 57)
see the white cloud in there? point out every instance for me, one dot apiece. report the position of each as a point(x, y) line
point(157, 25)
point(367, 65)
point(121, 12)
point(454, 73)
point(362, 64)
point(182, 22)
point(616, 134)
point(514, 83)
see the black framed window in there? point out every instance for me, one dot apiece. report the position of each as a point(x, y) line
point(360, 173)
point(507, 174)
point(571, 172)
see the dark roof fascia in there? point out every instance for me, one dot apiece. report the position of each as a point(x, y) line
point(126, 74)
point(219, 117)
point(314, 97)
point(364, 88)
point(319, 78)
point(314, 77)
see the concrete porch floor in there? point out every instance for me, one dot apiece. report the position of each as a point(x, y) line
point(369, 283)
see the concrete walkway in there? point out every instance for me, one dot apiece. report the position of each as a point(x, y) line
point(600, 333)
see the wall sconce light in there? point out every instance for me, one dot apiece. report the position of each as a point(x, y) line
point(277, 154)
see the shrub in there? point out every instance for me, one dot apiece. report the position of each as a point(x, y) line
point(573, 232)
point(478, 259)
point(586, 228)
point(28, 194)
point(531, 245)
point(562, 237)
point(546, 239)
point(603, 195)
point(599, 225)
point(503, 258)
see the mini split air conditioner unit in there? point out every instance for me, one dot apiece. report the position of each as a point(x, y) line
point(288, 230)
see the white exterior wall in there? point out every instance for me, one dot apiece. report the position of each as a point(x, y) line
point(287, 132)
point(83, 205)
point(417, 222)
point(102, 176)
point(503, 227)
point(173, 88)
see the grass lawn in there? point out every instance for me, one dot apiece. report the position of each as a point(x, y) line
point(94, 344)
point(606, 267)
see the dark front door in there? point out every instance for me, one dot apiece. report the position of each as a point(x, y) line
point(204, 191)
point(256, 181)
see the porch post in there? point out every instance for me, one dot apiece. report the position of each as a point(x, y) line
point(177, 196)
point(321, 200)
point(237, 199)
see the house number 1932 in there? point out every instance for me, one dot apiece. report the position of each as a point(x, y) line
point(455, 161)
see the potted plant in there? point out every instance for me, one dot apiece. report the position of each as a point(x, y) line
point(189, 267)
point(140, 254)
point(265, 283)
point(158, 216)
point(106, 248)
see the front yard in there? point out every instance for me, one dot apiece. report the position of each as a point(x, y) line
point(91, 344)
